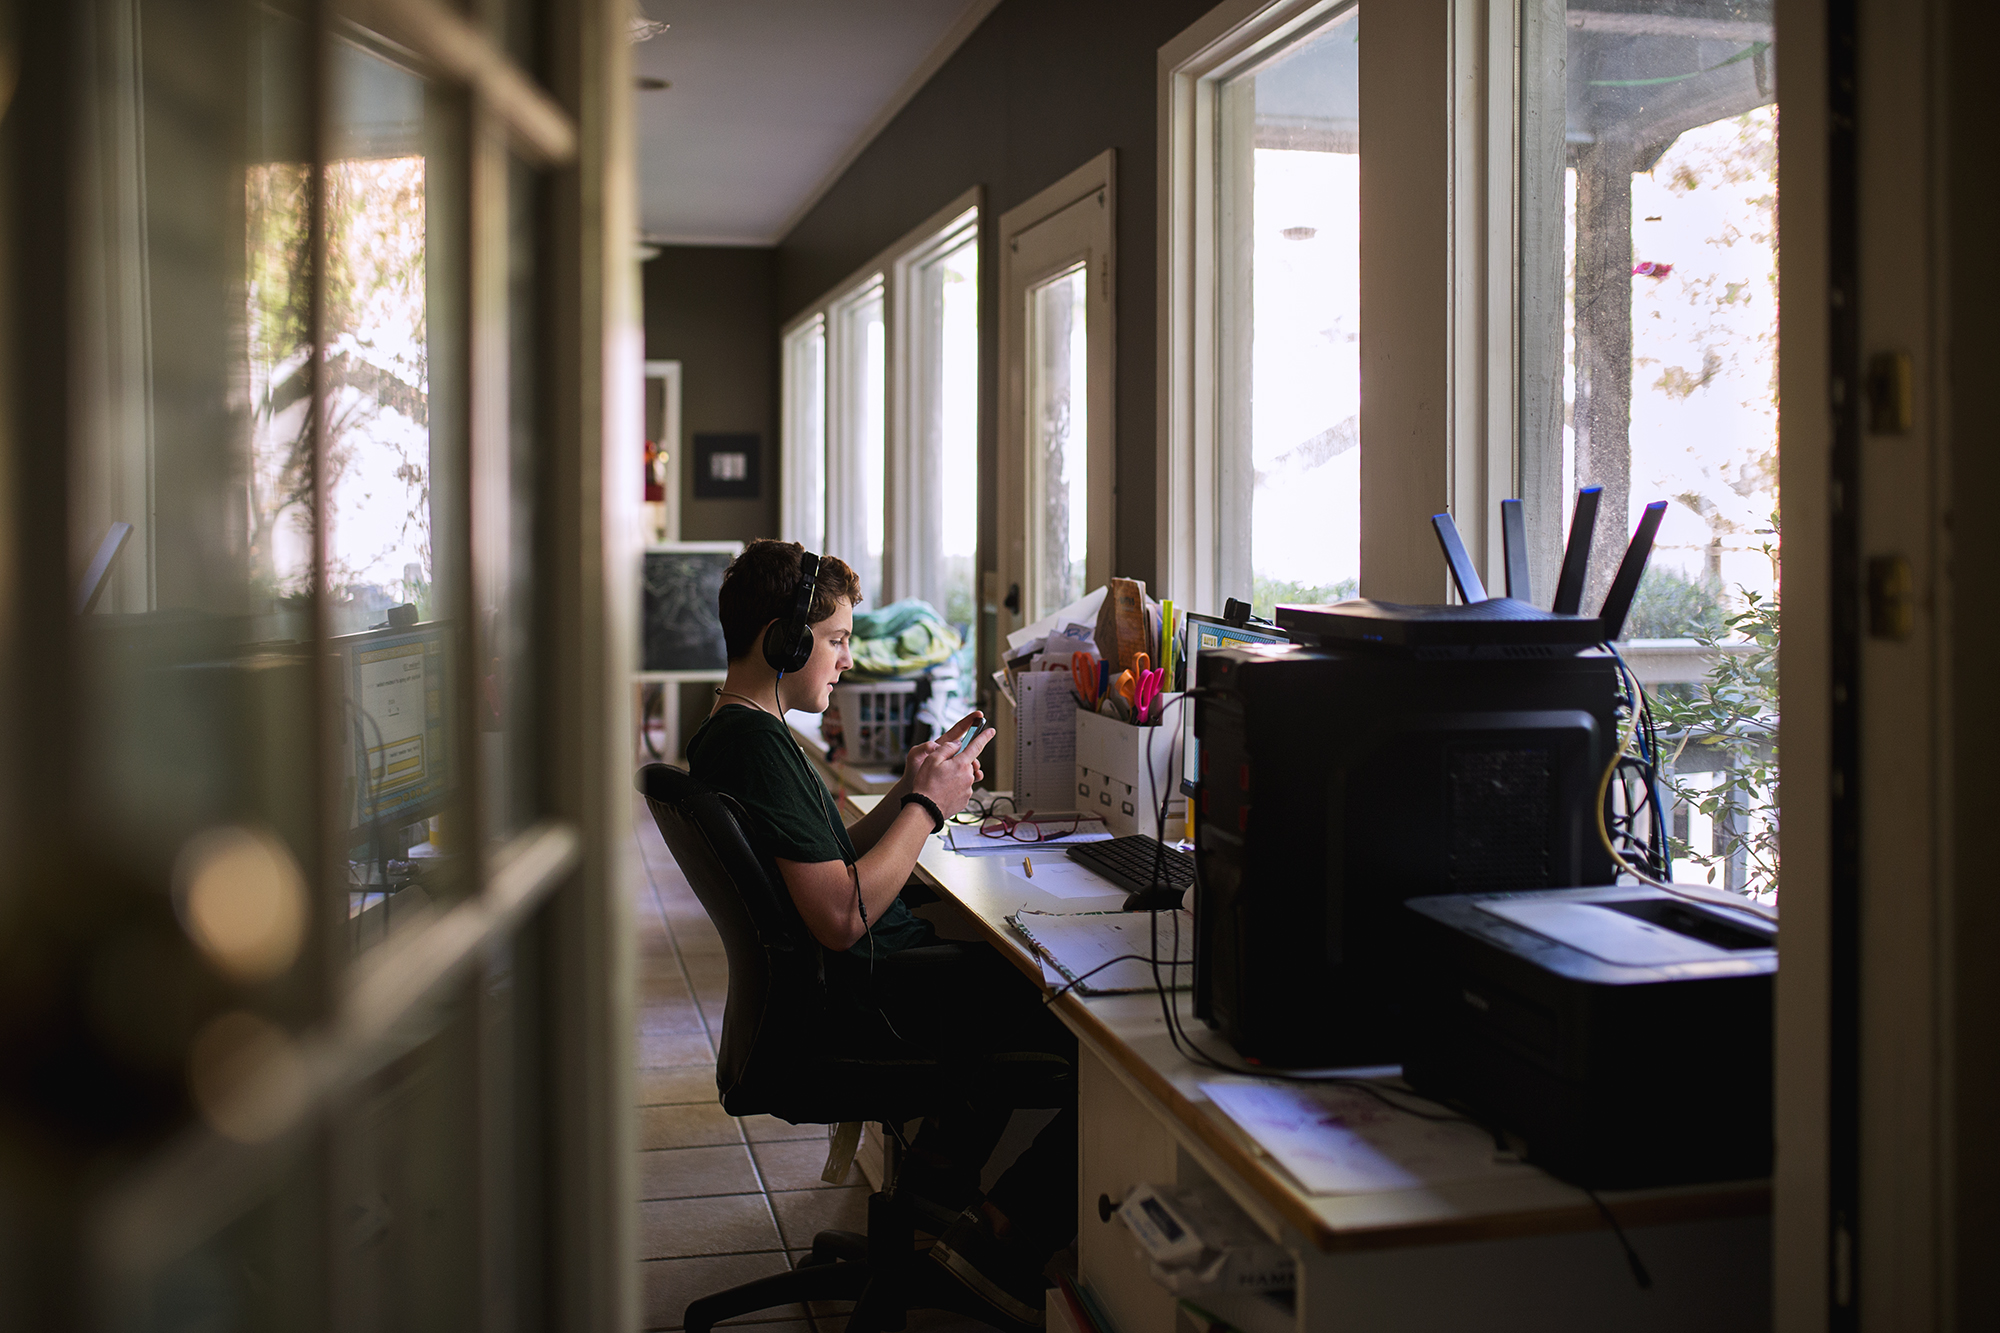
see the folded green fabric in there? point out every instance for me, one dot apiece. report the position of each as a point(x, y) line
point(902, 639)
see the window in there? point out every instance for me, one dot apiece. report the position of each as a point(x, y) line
point(1650, 368)
point(1056, 473)
point(856, 441)
point(1288, 263)
point(881, 424)
point(939, 346)
point(1262, 450)
point(803, 493)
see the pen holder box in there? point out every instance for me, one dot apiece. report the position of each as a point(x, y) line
point(1121, 771)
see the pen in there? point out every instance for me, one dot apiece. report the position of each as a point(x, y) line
point(1028, 866)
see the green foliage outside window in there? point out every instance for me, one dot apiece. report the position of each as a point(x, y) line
point(1669, 605)
point(1728, 723)
point(1266, 593)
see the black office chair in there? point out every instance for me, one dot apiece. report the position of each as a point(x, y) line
point(784, 1053)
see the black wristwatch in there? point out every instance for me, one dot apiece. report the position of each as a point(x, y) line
point(937, 815)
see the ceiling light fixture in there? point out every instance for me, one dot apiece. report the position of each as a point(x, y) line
point(646, 83)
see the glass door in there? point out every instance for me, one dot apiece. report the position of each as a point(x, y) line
point(304, 726)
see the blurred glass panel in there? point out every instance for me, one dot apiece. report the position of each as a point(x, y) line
point(510, 651)
point(395, 484)
point(1290, 268)
point(199, 862)
point(1058, 439)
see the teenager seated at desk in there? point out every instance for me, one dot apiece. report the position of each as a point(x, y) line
point(907, 993)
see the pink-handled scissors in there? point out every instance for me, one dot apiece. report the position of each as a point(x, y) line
point(1146, 692)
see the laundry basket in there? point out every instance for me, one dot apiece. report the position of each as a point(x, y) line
point(874, 719)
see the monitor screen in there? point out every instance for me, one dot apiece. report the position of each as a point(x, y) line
point(1206, 632)
point(398, 723)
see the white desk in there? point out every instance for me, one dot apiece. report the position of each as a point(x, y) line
point(1530, 1254)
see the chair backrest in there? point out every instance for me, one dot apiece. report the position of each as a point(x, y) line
point(775, 1019)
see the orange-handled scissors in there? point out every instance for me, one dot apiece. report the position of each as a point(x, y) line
point(1084, 674)
point(1128, 681)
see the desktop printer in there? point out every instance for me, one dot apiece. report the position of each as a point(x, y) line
point(1390, 753)
point(1624, 1034)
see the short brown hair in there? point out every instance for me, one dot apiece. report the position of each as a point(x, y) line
point(759, 585)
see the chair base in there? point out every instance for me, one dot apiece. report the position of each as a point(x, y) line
point(882, 1273)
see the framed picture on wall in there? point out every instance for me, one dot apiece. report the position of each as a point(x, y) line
point(726, 465)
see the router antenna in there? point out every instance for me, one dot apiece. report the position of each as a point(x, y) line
point(1514, 543)
point(1463, 573)
point(1625, 586)
point(1576, 556)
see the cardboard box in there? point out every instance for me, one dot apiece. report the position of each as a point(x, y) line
point(1121, 771)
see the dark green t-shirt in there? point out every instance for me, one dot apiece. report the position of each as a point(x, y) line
point(748, 754)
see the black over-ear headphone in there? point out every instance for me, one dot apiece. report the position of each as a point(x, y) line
point(788, 644)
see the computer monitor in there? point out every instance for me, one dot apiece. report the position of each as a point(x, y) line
point(397, 725)
point(1204, 632)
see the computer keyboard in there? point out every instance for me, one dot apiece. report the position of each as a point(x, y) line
point(1129, 862)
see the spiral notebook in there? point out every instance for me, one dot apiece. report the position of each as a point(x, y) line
point(1111, 953)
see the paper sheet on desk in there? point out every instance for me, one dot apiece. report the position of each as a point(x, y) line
point(1081, 945)
point(1343, 1141)
point(1060, 877)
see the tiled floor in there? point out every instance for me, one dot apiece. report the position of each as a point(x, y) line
point(722, 1200)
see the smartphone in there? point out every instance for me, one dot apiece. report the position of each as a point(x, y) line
point(971, 734)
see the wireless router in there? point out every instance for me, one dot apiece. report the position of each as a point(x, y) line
point(1484, 626)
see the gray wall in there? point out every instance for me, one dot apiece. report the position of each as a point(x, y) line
point(1039, 89)
point(711, 309)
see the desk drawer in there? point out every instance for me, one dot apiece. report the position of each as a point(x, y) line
point(1122, 1145)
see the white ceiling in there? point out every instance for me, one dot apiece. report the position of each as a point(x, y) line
point(770, 101)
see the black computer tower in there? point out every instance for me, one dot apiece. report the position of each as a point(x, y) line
point(1335, 785)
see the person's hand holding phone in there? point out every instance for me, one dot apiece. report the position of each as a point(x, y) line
point(947, 768)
